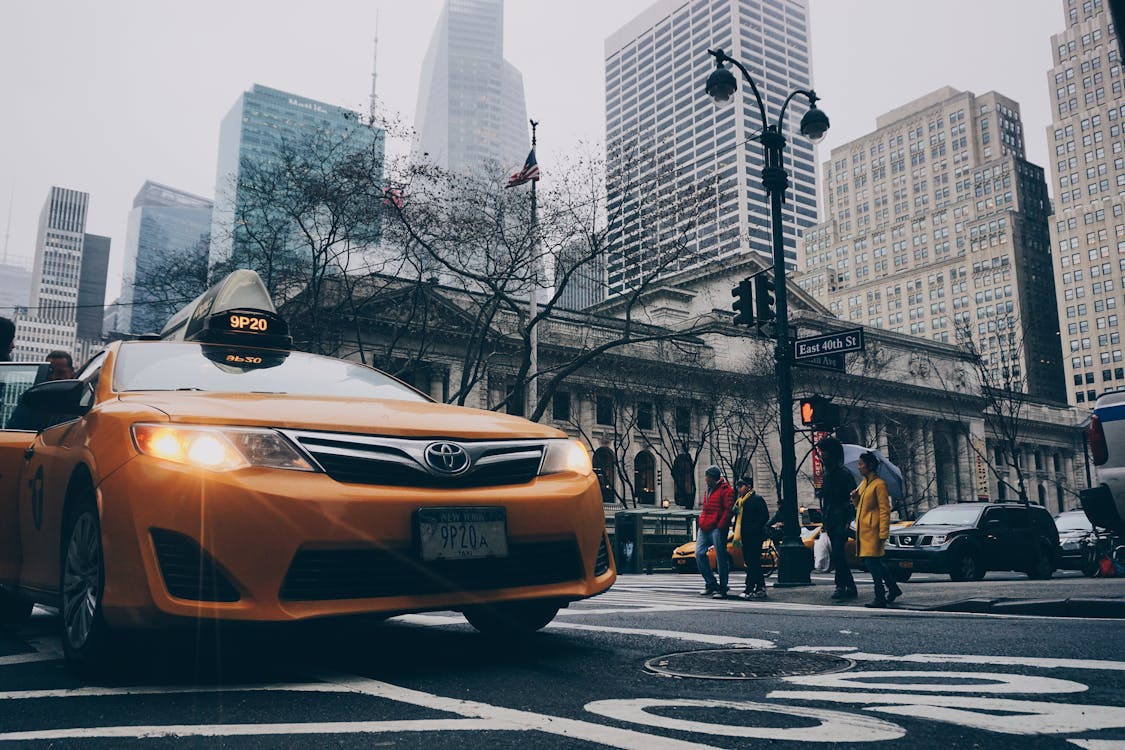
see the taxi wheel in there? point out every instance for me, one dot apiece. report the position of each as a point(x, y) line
point(14, 609)
point(511, 618)
point(85, 636)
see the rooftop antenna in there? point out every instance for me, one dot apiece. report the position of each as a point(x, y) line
point(374, 67)
point(8, 229)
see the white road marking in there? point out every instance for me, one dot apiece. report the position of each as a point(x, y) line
point(1099, 744)
point(1025, 717)
point(997, 661)
point(26, 658)
point(957, 682)
point(625, 739)
point(722, 640)
point(834, 726)
point(96, 692)
point(823, 649)
point(244, 730)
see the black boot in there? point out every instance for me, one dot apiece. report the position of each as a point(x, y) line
point(894, 593)
point(879, 603)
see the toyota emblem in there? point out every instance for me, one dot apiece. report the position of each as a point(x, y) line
point(447, 458)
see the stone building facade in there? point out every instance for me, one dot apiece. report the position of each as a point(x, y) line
point(691, 390)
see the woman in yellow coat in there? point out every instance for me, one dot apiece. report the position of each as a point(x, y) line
point(872, 528)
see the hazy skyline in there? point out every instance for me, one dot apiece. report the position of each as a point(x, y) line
point(103, 96)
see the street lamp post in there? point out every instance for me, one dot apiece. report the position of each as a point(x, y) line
point(794, 564)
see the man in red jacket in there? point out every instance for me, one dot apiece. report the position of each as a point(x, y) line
point(714, 518)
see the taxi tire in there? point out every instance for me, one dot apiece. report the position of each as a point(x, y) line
point(94, 654)
point(511, 618)
point(14, 609)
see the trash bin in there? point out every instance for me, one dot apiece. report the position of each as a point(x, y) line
point(628, 528)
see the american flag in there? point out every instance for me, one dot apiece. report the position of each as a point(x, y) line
point(529, 172)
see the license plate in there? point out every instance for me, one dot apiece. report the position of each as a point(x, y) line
point(462, 533)
point(905, 564)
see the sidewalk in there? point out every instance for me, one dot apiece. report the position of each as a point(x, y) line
point(1066, 595)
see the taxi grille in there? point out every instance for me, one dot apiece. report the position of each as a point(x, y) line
point(188, 571)
point(372, 573)
point(362, 459)
point(601, 563)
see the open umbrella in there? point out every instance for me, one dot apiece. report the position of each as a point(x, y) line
point(887, 471)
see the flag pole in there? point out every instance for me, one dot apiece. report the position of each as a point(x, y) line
point(532, 389)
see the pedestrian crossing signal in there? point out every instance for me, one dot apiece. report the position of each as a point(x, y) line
point(818, 411)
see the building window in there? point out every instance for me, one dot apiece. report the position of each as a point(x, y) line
point(560, 406)
point(683, 420)
point(604, 410)
point(644, 415)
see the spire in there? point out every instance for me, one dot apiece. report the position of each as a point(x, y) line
point(374, 67)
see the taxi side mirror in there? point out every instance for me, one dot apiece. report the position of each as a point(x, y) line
point(56, 397)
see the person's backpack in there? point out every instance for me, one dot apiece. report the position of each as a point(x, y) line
point(1106, 568)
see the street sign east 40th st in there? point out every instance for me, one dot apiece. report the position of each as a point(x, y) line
point(832, 343)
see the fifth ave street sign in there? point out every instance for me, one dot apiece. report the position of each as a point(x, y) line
point(832, 343)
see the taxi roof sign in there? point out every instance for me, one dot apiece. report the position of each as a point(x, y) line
point(236, 310)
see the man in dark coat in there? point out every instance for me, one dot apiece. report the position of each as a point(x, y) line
point(836, 505)
point(751, 517)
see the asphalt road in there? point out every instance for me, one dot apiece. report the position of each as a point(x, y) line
point(904, 679)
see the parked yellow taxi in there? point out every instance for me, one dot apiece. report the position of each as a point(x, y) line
point(218, 474)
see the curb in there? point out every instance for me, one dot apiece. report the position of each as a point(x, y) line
point(1095, 608)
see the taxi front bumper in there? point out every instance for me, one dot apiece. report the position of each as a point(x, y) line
point(266, 545)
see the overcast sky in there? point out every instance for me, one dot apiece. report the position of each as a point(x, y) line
point(100, 96)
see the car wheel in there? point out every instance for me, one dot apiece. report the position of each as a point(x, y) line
point(1043, 567)
point(902, 575)
point(14, 609)
point(511, 618)
point(966, 567)
point(85, 636)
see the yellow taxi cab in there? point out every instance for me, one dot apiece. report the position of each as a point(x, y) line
point(218, 474)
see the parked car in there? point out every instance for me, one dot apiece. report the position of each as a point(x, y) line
point(1079, 542)
point(966, 540)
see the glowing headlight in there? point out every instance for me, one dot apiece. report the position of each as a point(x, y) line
point(218, 448)
point(567, 455)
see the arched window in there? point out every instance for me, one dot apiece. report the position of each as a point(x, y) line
point(683, 476)
point(644, 478)
point(604, 461)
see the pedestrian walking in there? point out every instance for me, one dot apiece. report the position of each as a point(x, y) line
point(873, 528)
point(750, 518)
point(714, 519)
point(836, 506)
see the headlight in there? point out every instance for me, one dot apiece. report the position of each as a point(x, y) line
point(218, 448)
point(567, 455)
point(939, 539)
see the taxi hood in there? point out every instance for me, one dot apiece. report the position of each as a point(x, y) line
point(336, 414)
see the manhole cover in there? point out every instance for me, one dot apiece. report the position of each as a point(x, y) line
point(746, 664)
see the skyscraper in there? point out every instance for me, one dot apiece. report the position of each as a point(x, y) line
point(1088, 172)
point(260, 128)
point(165, 225)
point(471, 115)
point(91, 287)
point(668, 145)
point(937, 227)
point(51, 320)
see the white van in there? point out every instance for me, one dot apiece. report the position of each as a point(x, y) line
point(1105, 503)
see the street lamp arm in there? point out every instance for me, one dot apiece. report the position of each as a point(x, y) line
point(808, 94)
point(722, 57)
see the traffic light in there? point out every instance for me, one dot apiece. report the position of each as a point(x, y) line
point(763, 298)
point(818, 411)
point(743, 304)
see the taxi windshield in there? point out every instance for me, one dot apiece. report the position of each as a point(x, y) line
point(950, 515)
point(183, 366)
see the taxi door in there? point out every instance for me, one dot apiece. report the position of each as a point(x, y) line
point(15, 378)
